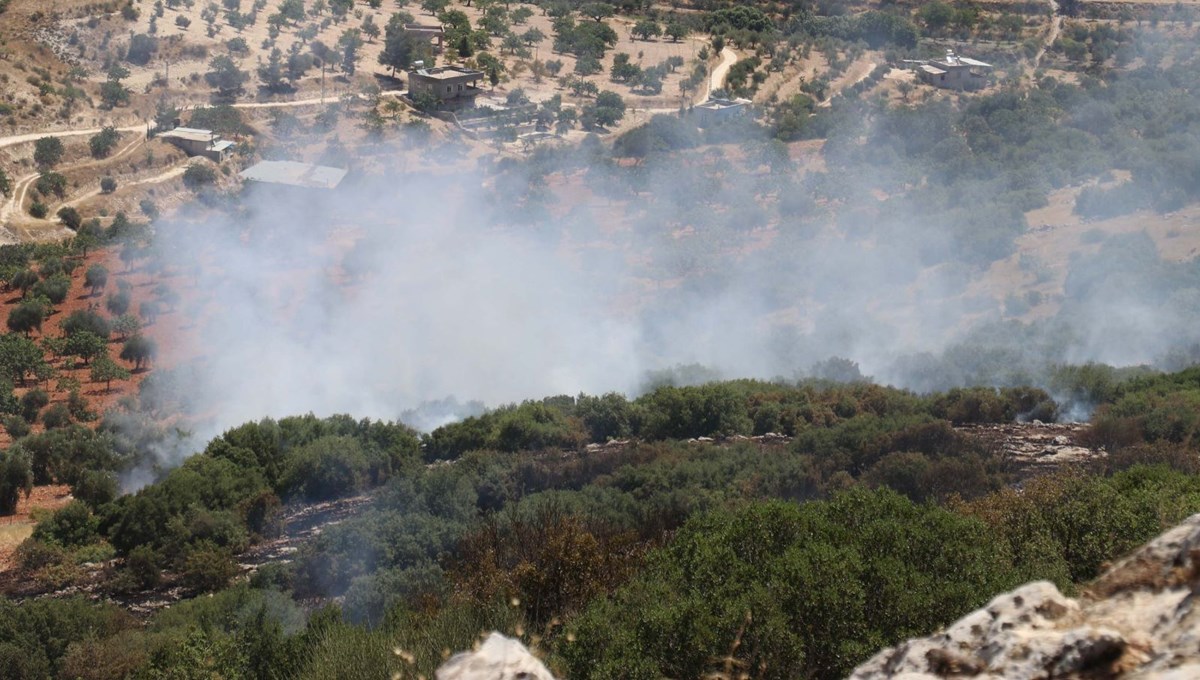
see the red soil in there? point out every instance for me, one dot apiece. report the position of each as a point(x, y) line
point(99, 396)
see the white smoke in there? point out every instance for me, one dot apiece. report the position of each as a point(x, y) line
point(403, 288)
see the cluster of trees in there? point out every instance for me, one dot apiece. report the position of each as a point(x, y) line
point(31, 358)
point(201, 514)
point(720, 409)
point(875, 27)
point(1100, 42)
point(587, 40)
point(649, 79)
point(646, 560)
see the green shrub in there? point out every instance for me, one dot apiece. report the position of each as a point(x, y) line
point(329, 467)
point(71, 526)
point(32, 402)
point(142, 563)
point(198, 176)
point(15, 426)
point(207, 567)
point(56, 416)
point(811, 589)
point(96, 488)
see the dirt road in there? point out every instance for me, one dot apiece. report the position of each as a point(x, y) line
point(717, 81)
point(161, 177)
point(1056, 22)
point(21, 186)
point(857, 73)
point(34, 136)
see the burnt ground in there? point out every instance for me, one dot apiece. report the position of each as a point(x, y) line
point(1035, 447)
point(300, 523)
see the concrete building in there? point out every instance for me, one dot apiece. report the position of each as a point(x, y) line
point(717, 110)
point(452, 85)
point(197, 142)
point(294, 174)
point(433, 34)
point(954, 72)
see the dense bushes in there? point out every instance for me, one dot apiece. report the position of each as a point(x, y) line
point(745, 407)
point(531, 425)
point(1066, 526)
point(810, 589)
point(654, 555)
point(36, 635)
point(1162, 408)
point(213, 496)
point(329, 467)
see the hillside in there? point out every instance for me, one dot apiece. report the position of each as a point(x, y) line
point(700, 339)
point(1135, 621)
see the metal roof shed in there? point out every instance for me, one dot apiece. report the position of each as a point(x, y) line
point(294, 173)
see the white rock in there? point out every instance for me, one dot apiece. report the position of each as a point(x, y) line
point(1139, 620)
point(498, 658)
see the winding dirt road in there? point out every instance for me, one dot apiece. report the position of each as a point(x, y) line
point(717, 80)
point(161, 177)
point(855, 75)
point(34, 136)
point(21, 186)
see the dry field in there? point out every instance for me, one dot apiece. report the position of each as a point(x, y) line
point(1056, 235)
point(17, 527)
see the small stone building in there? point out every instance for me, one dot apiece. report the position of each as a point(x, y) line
point(954, 72)
point(717, 110)
point(197, 142)
point(451, 85)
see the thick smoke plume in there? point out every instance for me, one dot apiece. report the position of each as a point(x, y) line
point(492, 285)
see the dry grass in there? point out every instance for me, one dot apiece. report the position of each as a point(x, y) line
point(12, 532)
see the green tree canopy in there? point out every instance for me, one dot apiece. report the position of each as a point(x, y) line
point(16, 478)
point(225, 76)
point(139, 349)
point(47, 152)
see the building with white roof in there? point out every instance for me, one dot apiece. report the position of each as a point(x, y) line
point(197, 142)
point(954, 72)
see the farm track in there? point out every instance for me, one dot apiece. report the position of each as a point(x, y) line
point(717, 80)
point(11, 208)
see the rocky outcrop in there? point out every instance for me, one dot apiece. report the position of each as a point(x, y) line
point(1035, 447)
point(498, 658)
point(1139, 620)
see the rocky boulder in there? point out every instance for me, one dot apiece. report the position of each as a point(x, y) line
point(1139, 620)
point(498, 658)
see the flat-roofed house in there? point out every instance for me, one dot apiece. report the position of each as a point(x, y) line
point(954, 72)
point(433, 34)
point(197, 142)
point(717, 110)
point(294, 174)
point(451, 85)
